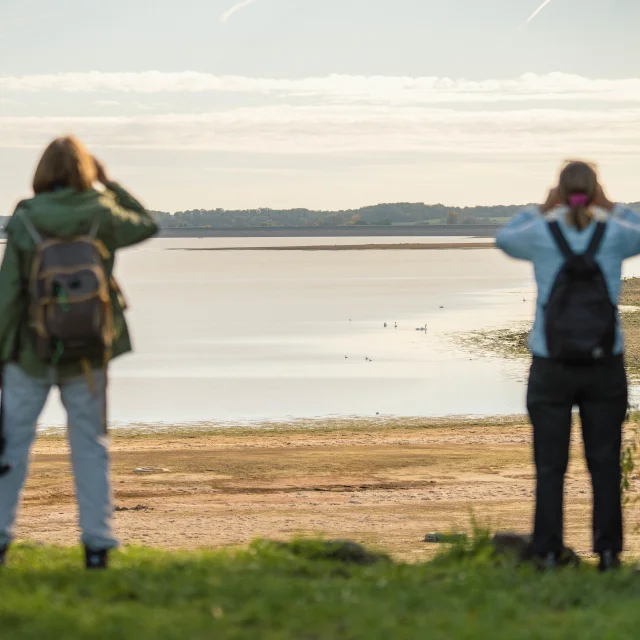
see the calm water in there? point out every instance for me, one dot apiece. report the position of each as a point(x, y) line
point(249, 335)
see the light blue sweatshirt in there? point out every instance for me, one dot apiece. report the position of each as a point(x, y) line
point(527, 237)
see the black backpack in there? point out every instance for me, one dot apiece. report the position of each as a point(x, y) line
point(580, 318)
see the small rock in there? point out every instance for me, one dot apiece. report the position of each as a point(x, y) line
point(445, 537)
point(520, 547)
point(343, 551)
point(140, 507)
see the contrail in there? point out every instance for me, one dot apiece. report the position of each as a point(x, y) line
point(224, 18)
point(537, 11)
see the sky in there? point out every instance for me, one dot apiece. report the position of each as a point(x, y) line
point(324, 104)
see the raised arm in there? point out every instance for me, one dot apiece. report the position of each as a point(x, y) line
point(630, 222)
point(130, 222)
point(516, 238)
point(628, 219)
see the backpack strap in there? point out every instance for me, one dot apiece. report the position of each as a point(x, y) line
point(95, 227)
point(33, 232)
point(561, 241)
point(596, 240)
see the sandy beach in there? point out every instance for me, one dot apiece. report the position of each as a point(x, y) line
point(382, 482)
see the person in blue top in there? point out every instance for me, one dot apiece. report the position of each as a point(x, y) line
point(579, 209)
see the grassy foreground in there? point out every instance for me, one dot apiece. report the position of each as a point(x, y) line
point(265, 591)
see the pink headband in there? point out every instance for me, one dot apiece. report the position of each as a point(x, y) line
point(578, 200)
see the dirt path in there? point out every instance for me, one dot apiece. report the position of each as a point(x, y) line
point(386, 483)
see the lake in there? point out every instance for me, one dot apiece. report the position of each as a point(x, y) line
point(228, 337)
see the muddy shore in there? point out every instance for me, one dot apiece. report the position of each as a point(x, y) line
point(383, 482)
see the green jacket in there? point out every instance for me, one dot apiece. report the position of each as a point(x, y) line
point(64, 213)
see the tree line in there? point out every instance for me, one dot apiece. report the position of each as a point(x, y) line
point(406, 213)
point(381, 214)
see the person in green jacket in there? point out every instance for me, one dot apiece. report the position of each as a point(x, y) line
point(66, 204)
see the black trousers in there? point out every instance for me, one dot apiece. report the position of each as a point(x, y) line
point(600, 392)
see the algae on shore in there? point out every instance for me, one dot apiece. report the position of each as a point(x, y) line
point(629, 306)
point(507, 343)
point(512, 341)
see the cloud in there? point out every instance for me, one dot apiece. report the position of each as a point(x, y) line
point(224, 18)
point(602, 133)
point(555, 114)
point(338, 88)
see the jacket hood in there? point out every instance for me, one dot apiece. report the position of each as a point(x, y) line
point(62, 213)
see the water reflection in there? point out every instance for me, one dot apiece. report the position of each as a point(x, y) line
point(270, 335)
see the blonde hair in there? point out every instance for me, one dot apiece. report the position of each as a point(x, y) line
point(65, 163)
point(578, 178)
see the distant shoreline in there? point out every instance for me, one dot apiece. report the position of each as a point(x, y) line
point(355, 231)
point(417, 246)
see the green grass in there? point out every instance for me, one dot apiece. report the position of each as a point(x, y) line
point(267, 592)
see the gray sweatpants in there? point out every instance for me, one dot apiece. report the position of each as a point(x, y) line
point(23, 398)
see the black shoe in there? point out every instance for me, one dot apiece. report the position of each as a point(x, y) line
point(552, 561)
point(609, 561)
point(547, 562)
point(3, 555)
point(569, 558)
point(96, 559)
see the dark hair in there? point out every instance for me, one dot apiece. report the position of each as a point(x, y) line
point(578, 179)
point(65, 163)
